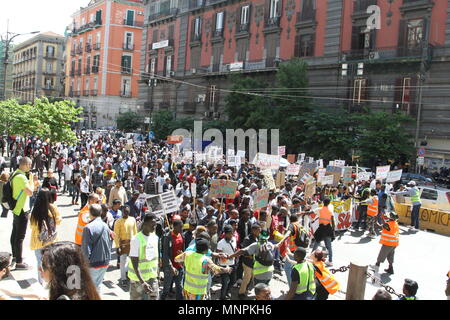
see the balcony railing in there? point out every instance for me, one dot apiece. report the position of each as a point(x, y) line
point(196, 4)
point(243, 27)
point(127, 70)
point(273, 22)
point(94, 92)
point(48, 56)
point(163, 13)
point(128, 46)
point(94, 69)
point(96, 46)
point(88, 47)
point(125, 94)
point(196, 37)
point(218, 33)
point(386, 53)
point(134, 23)
point(76, 93)
point(304, 16)
point(86, 93)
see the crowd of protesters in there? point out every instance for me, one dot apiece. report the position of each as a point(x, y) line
point(206, 240)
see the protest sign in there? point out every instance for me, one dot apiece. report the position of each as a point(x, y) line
point(292, 169)
point(308, 168)
point(310, 190)
point(336, 172)
point(169, 201)
point(327, 180)
point(267, 161)
point(320, 163)
point(314, 222)
point(281, 150)
point(382, 172)
point(342, 214)
point(230, 152)
point(307, 178)
point(339, 163)
point(301, 157)
point(321, 172)
point(234, 161)
point(347, 174)
point(241, 153)
point(268, 179)
point(174, 139)
point(154, 205)
point(394, 176)
point(280, 179)
point(261, 199)
point(364, 176)
point(129, 147)
point(223, 189)
point(291, 158)
point(310, 159)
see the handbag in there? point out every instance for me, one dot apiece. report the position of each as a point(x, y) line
point(48, 233)
point(125, 246)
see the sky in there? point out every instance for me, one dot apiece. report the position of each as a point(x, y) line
point(37, 15)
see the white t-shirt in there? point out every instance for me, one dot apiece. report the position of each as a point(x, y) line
point(151, 248)
point(228, 248)
point(161, 181)
point(84, 185)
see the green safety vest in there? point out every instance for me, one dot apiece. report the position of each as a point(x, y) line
point(258, 268)
point(306, 273)
point(416, 196)
point(147, 268)
point(410, 298)
point(195, 281)
point(363, 192)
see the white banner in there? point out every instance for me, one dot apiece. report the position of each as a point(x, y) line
point(382, 172)
point(326, 180)
point(394, 176)
point(293, 169)
point(234, 161)
point(267, 161)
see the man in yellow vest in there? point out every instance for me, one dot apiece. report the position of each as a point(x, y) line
point(197, 266)
point(84, 217)
point(303, 285)
point(144, 257)
point(389, 240)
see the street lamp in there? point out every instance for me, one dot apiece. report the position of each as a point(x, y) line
point(7, 42)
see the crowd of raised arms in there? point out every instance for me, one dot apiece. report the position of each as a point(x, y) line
point(205, 240)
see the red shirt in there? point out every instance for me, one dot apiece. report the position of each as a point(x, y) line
point(177, 245)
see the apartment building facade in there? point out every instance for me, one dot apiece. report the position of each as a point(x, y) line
point(37, 67)
point(103, 66)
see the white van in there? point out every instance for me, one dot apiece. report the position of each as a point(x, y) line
point(433, 198)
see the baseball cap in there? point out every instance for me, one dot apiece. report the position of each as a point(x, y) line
point(412, 183)
point(264, 235)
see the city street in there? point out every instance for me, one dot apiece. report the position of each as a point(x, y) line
point(416, 253)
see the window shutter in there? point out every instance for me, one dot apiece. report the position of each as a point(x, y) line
point(267, 10)
point(402, 34)
point(355, 38)
point(171, 32)
point(224, 16)
point(249, 15)
point(215, 21)
point(155, 36)
point(165, 66)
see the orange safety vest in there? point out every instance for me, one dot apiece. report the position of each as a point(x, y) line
point(372, 209)
point(81, 224)
point(326, 279)
point(390, 238)
point(325, 215)
point(292, 237)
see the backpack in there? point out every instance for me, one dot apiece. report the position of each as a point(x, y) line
point(8, 201)
point(301, 238)
point(264, 255)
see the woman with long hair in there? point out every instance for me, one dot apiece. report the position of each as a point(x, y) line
point(4, 177)
point(43, 221)
point(66, 271)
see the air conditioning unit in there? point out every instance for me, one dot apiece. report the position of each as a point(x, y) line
point(374, 55)
point(193, 71)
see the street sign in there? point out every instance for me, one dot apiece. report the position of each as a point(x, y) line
point(421, 152)
point(420, 161)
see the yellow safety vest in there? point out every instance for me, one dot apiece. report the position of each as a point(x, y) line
point(195, 281)
point(147, 268)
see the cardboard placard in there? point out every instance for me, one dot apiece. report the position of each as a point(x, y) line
point(291, 158)
point(307, 179)
point(327, 180)
point(342, 214)
point(394, 176)
point(223, 189)
point(336, 172)
point(382, 172)
point(267, 161)
point(268, 180)
point(281, 150)
point(292, 169)
point(261, 199)
point(307, 168)
point(347, 174)
point(310, 190)
point(280, 179)
point(194, 190)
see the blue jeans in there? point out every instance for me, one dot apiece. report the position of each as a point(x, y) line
point(327, 241)
point(169, 278)
point(38, 254)
point(362, 216)
point(288, 269)
point(415, 213)
point(97, 276)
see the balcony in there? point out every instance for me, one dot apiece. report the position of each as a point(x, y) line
point(387, 54)
point(127, 70)
point(87, 70)
point(163, 13)
point(79, 49)
point(79, 72)
point(243, 27)
point(125, 94)
point(86, 93)
point(88, 47)
point(94, 69)
point(128, 46)
point(76, 93)
point(49, 73)
point(133, 23)
point(218, 33)
point(273, 22)
point(50, 57)
point(96, 46)
point(361, 6)
point(94, 92)
point(196, 4)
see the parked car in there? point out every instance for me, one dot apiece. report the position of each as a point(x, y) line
point(433, 198)
point(419, 179)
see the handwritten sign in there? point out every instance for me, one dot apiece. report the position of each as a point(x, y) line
point(343, 214)
point(327, 180)
point(292, 169)
point(308, 168)
point(336, 172)
point(268, 179)
point(281, 150)
point(267, 161)
point(261, 199)
point(394, 176)
point(382, 172)
point(280, 179)
point(306, 179)
point(223, 189)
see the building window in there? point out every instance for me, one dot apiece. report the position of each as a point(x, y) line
point(168, 66)
point(128, 45)
point(415, 33)
point(87, 85)
point(126, 64)
point(95, 63)
point(98, 17)
point(130, 18)
point(126, 88)
point(304, 45)
point(219, 21)
point(274, 9)
point(95, 83)
point(245, 15)
point(88, 65)
point(50, 51)
point(49, 68)
point(359, 91)
point(197, 28)
point(153, 66)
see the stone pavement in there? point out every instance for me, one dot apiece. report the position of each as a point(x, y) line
point(422, 256)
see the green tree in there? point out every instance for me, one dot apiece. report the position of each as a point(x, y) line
point(162, 122)
point(382, 137)
point(129, 121)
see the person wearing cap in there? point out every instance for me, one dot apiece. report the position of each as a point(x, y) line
point(261, 273)
point(410, 288)
point(303, 286)
point(197, 266)
point(228, 246)
point(414, 193)
point(389, 240)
